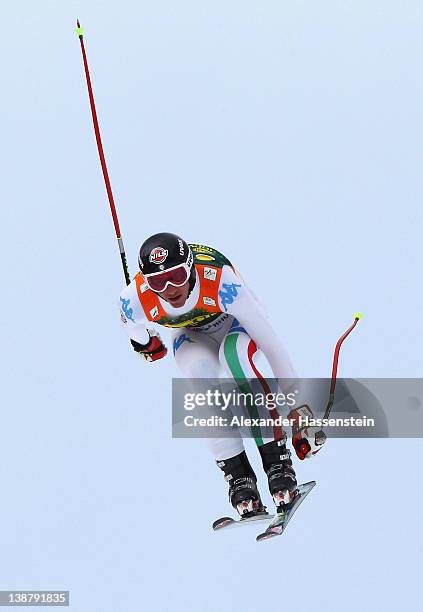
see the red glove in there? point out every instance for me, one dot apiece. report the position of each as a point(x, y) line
point(307, 441)
point(153, 350)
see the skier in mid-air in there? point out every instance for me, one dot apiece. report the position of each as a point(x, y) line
point(217, 323)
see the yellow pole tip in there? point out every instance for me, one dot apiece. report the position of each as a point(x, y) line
point(358, 315)
point(80, 31)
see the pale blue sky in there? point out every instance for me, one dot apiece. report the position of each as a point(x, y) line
point(288, 136)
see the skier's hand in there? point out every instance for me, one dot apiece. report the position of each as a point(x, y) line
point(153, 350)
point(307, 441)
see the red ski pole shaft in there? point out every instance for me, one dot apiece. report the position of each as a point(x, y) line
point(80, 33)
point(357, 317)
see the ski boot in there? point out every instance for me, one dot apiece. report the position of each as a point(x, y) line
point(277, 464)
point(243, 492)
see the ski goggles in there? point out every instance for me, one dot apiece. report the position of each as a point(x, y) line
point(177, 276)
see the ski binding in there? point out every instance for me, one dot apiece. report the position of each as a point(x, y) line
point(253, 517)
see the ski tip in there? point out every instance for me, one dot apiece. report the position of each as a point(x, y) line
point(266, 535)
point(307, 485)
point(358, 315)
point(222, 522)
point(79, 30)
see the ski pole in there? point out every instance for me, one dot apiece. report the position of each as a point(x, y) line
point(357, 317)
point(320, 434)
point(80, 33)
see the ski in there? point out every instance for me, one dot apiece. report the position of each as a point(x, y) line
point(225, 522)
point(280, 521)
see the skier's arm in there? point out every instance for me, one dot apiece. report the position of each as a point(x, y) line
point(146, 342)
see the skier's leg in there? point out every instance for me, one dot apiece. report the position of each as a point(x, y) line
point(236, 354)
point(196, 355)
